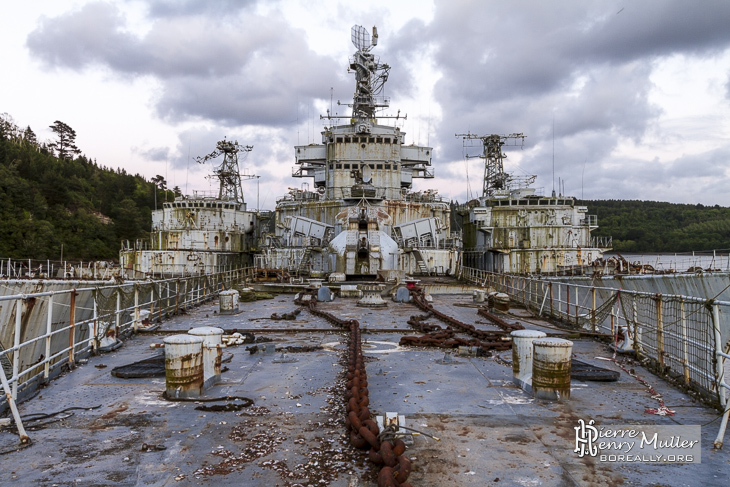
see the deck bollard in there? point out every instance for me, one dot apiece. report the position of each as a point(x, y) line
point(551, 369)
point(228, 302)
point(183, 366)
point(212, 353)
point(522, 354)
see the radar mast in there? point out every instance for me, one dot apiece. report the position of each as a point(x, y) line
point(495, 179)
point(370, 76)
point(227, 173)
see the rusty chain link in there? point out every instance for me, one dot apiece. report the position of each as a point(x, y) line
point(384, 449)
point(510, 327)
point(437, 337)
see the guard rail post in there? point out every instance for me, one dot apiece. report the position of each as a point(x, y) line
point(72, 328)
point(95, 341)
point(560, 298)
point(118, 314)
point(136, 307)
point(720, 373)
point(177, 296)
point(593, 309)
point(16, 345)
point(550, 288)
point(49, 329)
point(685, 355)
point(660, 331)
point(634, 313)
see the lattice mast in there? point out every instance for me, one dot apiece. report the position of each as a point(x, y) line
point(495, 179)
point(370, 75)
point(228, 173)
point(370, 78)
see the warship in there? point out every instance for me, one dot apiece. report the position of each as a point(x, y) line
point(362, 218)
point(199, 234)
point(359, 387)
point(512, 229)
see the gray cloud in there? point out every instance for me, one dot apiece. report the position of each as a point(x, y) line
point(497, 81)
point(504, 67)
point(87, 36)
point(154, 154)
point(520, 66)
point(222, 8)
point(235, 70)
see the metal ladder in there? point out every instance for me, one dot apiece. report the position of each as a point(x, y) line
point(420, 262)
point(303, 262)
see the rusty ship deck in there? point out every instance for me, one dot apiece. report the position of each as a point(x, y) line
point(490, 431)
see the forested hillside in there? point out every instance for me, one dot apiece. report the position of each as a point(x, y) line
point(50, 195)
point(651, 226)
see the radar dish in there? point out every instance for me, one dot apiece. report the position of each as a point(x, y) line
point(361, 38)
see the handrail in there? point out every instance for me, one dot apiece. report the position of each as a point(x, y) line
point(69, 324)
point(678, 337)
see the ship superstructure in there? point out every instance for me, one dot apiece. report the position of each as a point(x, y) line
point(199, 234)
point(512, 229)
point(361, 216)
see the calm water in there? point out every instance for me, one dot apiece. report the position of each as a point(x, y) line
point(679, 261)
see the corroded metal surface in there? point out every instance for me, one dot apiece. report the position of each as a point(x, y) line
point(184, 376)
point(551, 368)
point(370, 218)
point(295, 432)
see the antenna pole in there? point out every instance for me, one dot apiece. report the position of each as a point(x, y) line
point(553, 154)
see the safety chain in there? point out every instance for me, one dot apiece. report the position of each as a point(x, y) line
point(364, 432)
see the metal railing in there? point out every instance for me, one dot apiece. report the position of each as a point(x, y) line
point(602, 242)
point(57, 269)
point(681, 338)
point(47, 332)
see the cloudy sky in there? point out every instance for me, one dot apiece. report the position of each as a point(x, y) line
point(625, 99)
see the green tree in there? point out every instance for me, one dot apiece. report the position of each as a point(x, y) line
point(29, 136)
point(128, 220)
point(159, 182)
point(65, 146)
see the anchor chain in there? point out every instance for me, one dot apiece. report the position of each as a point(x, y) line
point(384, 448)
point(437, 337)
point(509, 327)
